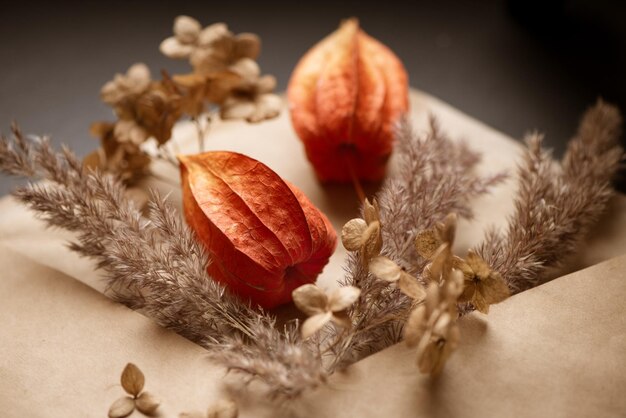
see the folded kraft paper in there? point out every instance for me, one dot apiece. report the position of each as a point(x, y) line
point(556, 350)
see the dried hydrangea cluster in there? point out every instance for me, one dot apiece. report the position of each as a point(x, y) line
point(225, 76)
point(215, 51)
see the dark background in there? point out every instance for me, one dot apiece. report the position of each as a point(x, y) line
point(516, 65)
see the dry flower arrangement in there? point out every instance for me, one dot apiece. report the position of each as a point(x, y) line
point(225, 80)
point(156, 264)
point(402, 279)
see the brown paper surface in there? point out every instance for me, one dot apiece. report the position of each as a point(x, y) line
point(557, 350)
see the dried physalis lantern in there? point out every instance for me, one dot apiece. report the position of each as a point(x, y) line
point(265, 238)
point(345, 96)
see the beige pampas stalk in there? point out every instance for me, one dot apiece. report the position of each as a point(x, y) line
point(433, 177)
point(155, 264)
point(556, 204)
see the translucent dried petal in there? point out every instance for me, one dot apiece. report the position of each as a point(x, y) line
point(447, 228)
point(233, 108)
point(247, 45)
point(477, 264)
point(440, 328)
point(266, 84)
point(371, 211)
point(442, 263)
point(386, 269)
point(139, 73)
point(247, 68)
point(426, 243)
point(343, 297)
point(415, 326)
point(411, 287)
point(147, 404)
point(352, 234)
point(342, 319)
point(132, 379)
point(314, 323)
point(310, 299)
point(268, 106)
point(495, 288)
point(454, 285)
point(122, 407)
point(372, 242)
point(172, 48)
point(432, 297)
point(213, 34)
point(186, 29)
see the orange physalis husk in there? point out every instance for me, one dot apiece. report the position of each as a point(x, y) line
point(264, 236)
point(345, 96)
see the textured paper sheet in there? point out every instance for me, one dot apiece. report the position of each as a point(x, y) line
point(557, 350)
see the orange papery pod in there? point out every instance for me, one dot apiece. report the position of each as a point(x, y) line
point(265, 238)
point(345, 96)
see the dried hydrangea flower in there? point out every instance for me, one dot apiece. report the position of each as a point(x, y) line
point(483, 286)
point(432, 327)
point(133, 381)
point(196, 89)
point(386, 269)
point(157, 110)
point(252, 99)
point(364, 234)
point(211, 49)
point(322, 308)
point(127, 130)
point(436, 245)
point(133, 83)
point(125, 159)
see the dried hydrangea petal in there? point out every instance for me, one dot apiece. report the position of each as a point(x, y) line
point(411, 287)
point(385, 269)
point(247, 45)
point(122, 407)
point(426, 243)
point(132, 379)
point(447, 228)
point(233, 108)
point(147, 403)
point(415, 326)
point(372, 242)
point(172, 48)
point(266, 84)
point(310, 299)
point(352, 233)
point(442, 263)
point(267, 107)
point(342, 319)
point(247, 68)
point(186, 29)
point(371, 211)
point(314, 323)
point(213, 34)
point(343, 297)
